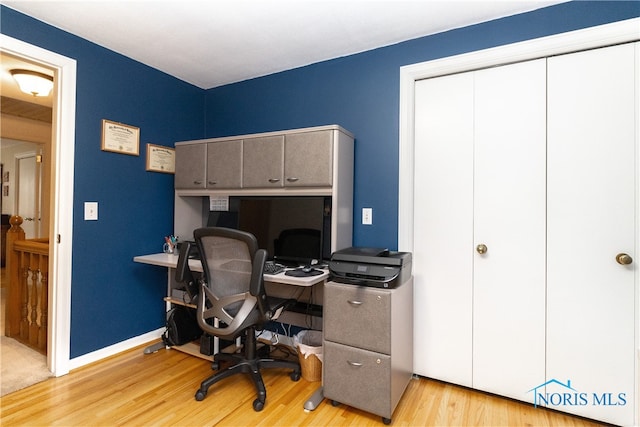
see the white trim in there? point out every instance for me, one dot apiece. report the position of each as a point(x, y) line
point(637, 242)
point(589, 38)
point(114, 349)
point(63, 143)
point(25, 155)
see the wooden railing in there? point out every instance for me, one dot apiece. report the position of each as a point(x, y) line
point(28, 287)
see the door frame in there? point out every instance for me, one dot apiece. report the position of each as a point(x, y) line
point(589, 38)
point(61, 228)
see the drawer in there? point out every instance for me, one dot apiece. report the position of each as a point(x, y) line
point(358, 378)
point(358, 316)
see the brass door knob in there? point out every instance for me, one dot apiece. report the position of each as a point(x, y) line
point(481, 248)
point(624, 259)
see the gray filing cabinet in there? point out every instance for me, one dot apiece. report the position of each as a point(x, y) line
point(368, 345)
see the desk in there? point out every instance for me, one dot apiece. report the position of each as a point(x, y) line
point(170, 261)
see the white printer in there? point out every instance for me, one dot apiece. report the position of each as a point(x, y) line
point(374, 267)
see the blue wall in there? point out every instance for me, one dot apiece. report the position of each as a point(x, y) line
point(114, 298)
point(361, 93)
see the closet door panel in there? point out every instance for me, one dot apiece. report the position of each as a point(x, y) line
point(443, 227)
point(591, 218)
point(509, 219)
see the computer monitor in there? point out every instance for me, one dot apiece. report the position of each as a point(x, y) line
point(295, 230)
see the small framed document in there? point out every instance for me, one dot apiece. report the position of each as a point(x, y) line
point(161, 159)
point(120, 138)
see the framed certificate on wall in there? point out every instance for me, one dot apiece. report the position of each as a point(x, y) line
point(161, 159)
point(120, 138)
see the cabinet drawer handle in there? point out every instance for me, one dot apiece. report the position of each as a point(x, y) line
point(356, 364)
point(274, 180)
point(292, 179)
point(356, 303)
point(197, 182)
point(213, 182)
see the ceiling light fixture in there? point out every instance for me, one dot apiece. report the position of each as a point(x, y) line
point(33, 82)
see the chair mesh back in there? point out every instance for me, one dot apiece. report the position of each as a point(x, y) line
point(229, 265)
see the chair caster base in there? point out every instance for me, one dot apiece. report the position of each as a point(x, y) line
point(200, 395)
point(258, 405)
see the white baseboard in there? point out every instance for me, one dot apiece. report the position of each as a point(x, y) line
point(114, 349)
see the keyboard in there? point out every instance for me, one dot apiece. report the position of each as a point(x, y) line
point(271, 267)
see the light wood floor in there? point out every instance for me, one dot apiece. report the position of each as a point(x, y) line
point(157, 389)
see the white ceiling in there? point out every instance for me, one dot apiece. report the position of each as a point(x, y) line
point(216, 42)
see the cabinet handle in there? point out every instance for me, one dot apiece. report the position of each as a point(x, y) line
point(213, 182)
point(623, 259)
point(481, 248)
point(356, 303)
point(274, 180)
point(356, 364)
point(292, 179)
point(197, 182)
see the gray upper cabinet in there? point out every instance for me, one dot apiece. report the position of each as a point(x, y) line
point(224, 164)
point(314, 161)
point(302, 159)
point(262, 162)
point(308, 159)
point(297, 160)
point(190, 166)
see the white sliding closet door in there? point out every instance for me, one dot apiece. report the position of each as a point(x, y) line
point(509, 219)
point(480, 180)
point(443, 227)
point(591, 219)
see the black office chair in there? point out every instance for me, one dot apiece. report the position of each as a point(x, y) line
point(232, 291)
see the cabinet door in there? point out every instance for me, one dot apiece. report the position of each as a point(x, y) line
point(443, 228)
point(509, 219)
point(191, 166)
point(263, 162)
point(224, 164)
point(308, 159)
point(592, 143)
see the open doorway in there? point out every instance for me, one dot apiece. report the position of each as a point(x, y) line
point(25, 150)
point(59, 210)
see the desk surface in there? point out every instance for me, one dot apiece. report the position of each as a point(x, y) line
point(171, 261)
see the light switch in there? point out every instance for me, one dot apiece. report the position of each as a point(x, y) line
point(90, 211)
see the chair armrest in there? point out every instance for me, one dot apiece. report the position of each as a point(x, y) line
point(256, 287)
point(183, 272)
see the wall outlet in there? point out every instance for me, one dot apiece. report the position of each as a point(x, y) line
point(367, 216)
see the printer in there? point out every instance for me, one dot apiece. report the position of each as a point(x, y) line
point(374, 267)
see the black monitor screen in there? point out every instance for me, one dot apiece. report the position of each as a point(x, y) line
point(293, 229)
